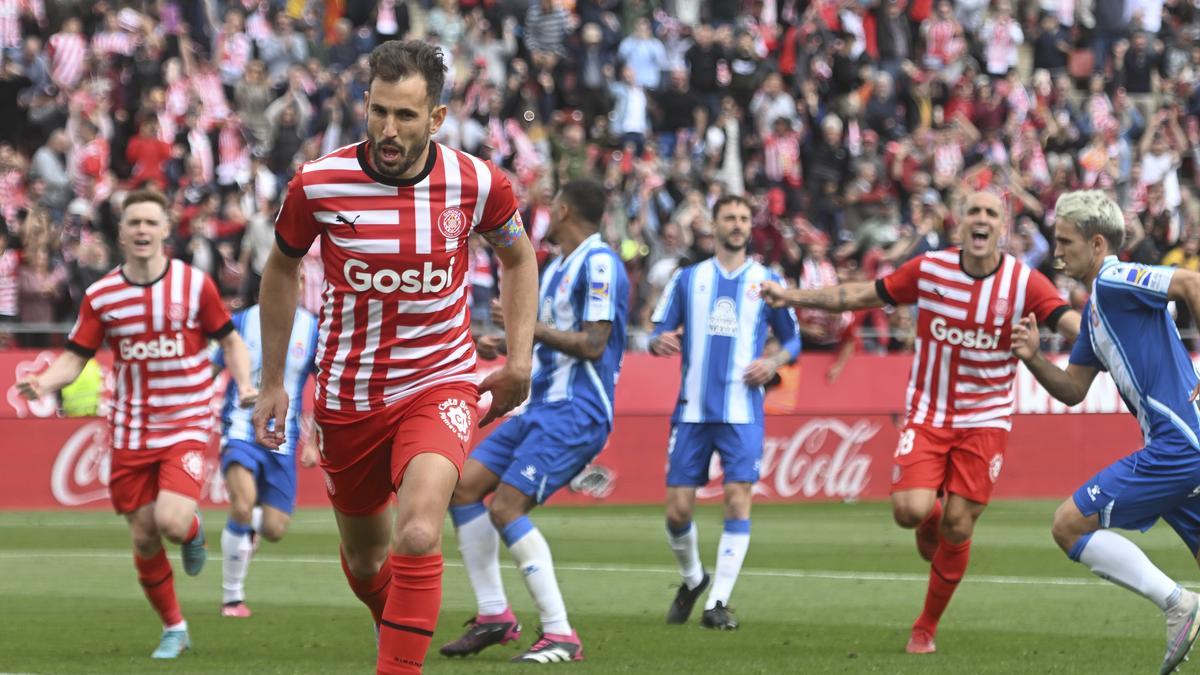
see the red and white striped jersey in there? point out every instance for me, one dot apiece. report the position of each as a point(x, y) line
point(963, 371)
point(10, 264)
point(395, 319)
point(67, 54)
point(158, 333)
point(114, 42)
point(10, 24)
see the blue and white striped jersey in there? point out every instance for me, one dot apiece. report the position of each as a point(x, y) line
point(587, 286)
point(1127, 330)
point(302, 351)
point(724, 329)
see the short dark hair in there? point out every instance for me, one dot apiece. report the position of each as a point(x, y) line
point(730, 199)
point(397, 59)
point(146, 195)
point(587, 199)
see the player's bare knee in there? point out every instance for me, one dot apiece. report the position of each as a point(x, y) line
point(906, 516)
point(146, 541)
point(174, 529)
point(1067, 528)
point(501, 513)
point(417, 538)
point(364, 563)
point(241, 511)
point(957, 530)
point(273, 530)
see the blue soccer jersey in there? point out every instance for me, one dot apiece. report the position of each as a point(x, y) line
point(302, 349)
point(725, 326)
point(1127, 330)
point(587, 286)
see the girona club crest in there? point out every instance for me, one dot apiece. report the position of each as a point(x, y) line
point(452, 223)
point(457, 416)
point(193, 463)
point(176, 312)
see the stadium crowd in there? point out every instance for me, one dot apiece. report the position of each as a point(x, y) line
point(855, 126)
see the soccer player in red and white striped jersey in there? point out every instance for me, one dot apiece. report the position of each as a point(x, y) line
point(396, 393)
point(157, 316)
point(960, 391)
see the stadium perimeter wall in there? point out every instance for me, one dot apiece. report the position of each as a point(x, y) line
point(823, 441)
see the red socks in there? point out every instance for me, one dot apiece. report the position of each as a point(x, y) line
point(374, 591)
point(193, 530)
point(157, 580)
point(411, 613)
point(949, 565)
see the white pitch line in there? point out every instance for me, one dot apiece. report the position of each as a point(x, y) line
point(827, 575)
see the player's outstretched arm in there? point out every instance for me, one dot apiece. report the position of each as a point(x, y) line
point(61, 372)
point(840, 298)
point(1069, 386)
point(278, 295)
point(1185, 287)
point(518, 299)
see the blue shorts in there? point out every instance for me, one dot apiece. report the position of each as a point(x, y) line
point(274, 473)
point(690, 450)
point(541, 450)
point(1135, 491)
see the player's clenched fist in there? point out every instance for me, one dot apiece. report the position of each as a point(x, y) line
point(1025, 338)
point(509, 387)
point(667, 344)
point(272, 404)
point(773, 294)
point(30, 388)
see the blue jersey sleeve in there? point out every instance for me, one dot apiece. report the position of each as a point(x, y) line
point(668, 315)
point(784, 325)
point(1134, 287)
point(600, 297)
point(1082, 353)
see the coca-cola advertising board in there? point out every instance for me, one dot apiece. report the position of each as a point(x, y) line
point(65, 462)
point(823, 441)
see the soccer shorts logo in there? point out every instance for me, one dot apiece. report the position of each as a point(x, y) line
point(905, 445)
point(530, 473)
point(193, 463)
point(994, 467)
point(457, 416)
point(329, 484)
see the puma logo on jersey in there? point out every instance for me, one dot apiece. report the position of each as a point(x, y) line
point(342, 219)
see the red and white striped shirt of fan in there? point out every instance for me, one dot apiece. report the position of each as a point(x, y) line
point(158, 333)
point(395, 319)
point(962, 374)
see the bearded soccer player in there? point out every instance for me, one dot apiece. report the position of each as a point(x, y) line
point(396, 395)
point(713, 315)
point(960, 394)
point(157, 315)
point(1128, 331)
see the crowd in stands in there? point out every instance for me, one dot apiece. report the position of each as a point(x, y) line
point(855, 126)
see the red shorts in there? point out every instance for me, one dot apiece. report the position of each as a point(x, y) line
point(364, 456)
point(965, 462)
point(139, 475)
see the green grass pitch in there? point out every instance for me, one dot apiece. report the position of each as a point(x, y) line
point(827, 588)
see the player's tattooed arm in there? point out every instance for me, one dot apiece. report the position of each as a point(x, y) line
point(587, 344)
point(840, 298)
point(507, 234)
